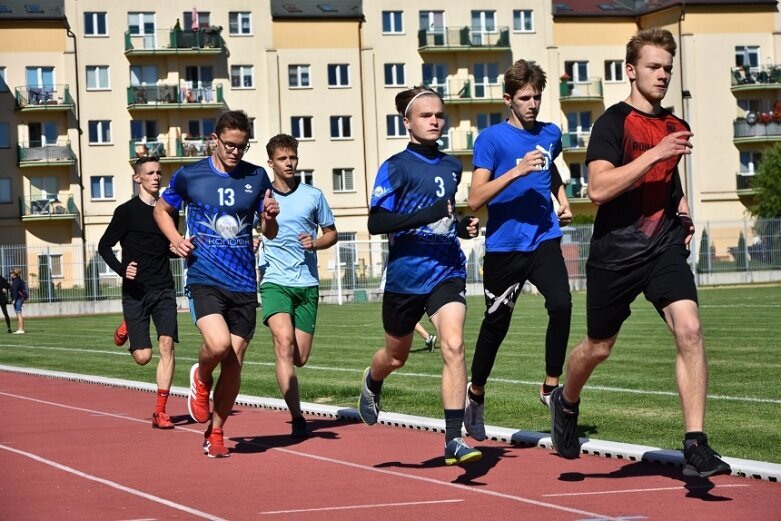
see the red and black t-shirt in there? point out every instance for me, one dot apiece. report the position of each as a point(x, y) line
point(641, 222)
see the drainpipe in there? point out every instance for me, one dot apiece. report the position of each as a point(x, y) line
point(363, 117)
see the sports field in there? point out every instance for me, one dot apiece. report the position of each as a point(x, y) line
point(631, 398)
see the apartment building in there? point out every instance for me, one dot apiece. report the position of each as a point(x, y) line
point(88, 86)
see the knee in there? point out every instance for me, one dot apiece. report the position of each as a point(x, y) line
point(397, 362)
point(559, 307)
point(142, 356)
point(452, 349)
point(599, 351)
point(688, 333)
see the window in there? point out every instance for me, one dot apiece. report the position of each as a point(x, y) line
point(340, 127)
point(747, 56)
point(392, 22)
point(239, 24)
point(251, 136)
point(338, 75)
point(201, 127)
point(5, 190)
point(749, 162)
point(577, 70)
point(301, 127)
point(42, 134)
point(394, 75)
point(435, 77)
point(3, 84)
point(5, 136)
point(395, 125)
point(241, 77)
point(486, 120)
point(523, 21)
point(142, 131)
point(483, 24)
point(298, 76)
point(202, 20)
point(102, 187)
point(306, 176)
point(97, 77)
point(55, 265)
point(486, 75)
point(99, 132)
point(95, 24)
point(614, 70)
point(40, 77)
point(578, 122)
point(43, 187)
point(343, 180)
point(142, 26)
point(143, 75)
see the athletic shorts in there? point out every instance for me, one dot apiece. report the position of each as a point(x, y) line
point(299, 303)
point(664, 279)
point(18, 303)
point(158, 304)
point(239, 309)
point(401, 311)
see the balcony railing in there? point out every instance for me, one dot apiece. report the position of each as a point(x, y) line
point(172, 150)
point(175, 41)
point(458, 141)
point(463, 38)
point(174, 96)
point(756, 78)
point(581, 91)
point(576, 141)
point(757, 132)
point(59, 207)
point(743, 181)
point(50, 97)
point(39, 154)
point(466, 90)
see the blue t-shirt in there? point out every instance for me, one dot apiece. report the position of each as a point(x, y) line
point(285, 262)
point(420, 258)
point(219, 210)
point(521, 216)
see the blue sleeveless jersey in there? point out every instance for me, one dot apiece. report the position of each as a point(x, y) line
point(220, 210)
point(521, 216)
point(421, 258)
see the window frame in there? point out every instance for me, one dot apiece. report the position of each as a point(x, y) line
point(394, 18)
point(342, 171)
point(614, 68)
point(104, 181)
point(243, 69)
point(397, 122)
point(101, 131)
point(393, 69)
point(96, 24)
point(98, 68)
point(239, 16)
point(340, 72)
point(10, 183)
point(301, 70)
point(521, 15)
point(299, 125)
point(339, 121)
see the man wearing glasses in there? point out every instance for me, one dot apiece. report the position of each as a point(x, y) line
point(147, 283)
point(221, 196)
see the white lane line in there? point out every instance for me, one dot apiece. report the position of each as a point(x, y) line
point(353, 507)
point(112, 484)
point(636, 490)
point(457, 486)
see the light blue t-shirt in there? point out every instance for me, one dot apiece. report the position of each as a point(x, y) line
point(521, 216)
point(284, 260)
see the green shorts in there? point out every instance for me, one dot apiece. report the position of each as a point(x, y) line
point(299, 303)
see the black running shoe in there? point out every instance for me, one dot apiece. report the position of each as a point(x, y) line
point(564, 427)
point(703, 461)
point(299, 431)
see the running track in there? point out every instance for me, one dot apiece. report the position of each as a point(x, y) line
point(72, 450)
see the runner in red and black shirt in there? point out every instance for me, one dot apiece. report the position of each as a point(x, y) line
point(639, 244)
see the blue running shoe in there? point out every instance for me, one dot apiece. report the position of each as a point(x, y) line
point(457, 451)
point(369, 404)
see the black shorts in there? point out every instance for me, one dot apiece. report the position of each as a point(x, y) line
point(401, 311)
point(160, 305)
point(239, 309)
point(664, 279)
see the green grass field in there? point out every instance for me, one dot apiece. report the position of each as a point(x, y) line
point(631, 398)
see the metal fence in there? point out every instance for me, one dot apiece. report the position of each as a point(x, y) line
point(722, 253)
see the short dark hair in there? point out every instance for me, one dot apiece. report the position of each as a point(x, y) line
point(281, 141)
point(233, 120)
point(655, 36)
point(404, 98)
point(143, 160)
point(523, 73)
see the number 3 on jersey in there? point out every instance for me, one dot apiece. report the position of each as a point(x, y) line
point(440, 186)
point(226, 196)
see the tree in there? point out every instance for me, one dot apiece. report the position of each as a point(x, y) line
point(767, 184)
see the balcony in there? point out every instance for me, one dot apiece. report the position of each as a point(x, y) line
point(38, 154)
point(577, 190)
point(743, 181)
point(168, 97)
point(174, 42)
point(447, 39)
point(32, 98)
point(467, 91)
point(590, 90)
point(187, 150)
point(458, 142)
point(758, 132)
point(575, 141)
point(48, 208)
point(767, 77)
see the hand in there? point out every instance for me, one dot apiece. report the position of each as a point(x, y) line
point(674, 145)
point(688, 226)
point(131, 271)
point(184, 247)
point(473, 228)
point(270, 207)
point(533, 161)
point(306, 241)
point(255, 244)
point(564, 214)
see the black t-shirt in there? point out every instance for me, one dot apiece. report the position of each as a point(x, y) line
point(641, 222)
point(134, 227)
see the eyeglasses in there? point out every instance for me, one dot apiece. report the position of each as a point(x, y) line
point(233, 147)
point(147, 159)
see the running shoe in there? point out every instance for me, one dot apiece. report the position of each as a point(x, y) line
point(161, 420)
point(198, 399)
point(545, 397)
point(474, 417)
point(431, 343)
point(564, 427)
point(214, 444)
point(701, 460)
point(369, 403)
point(120, 334)
point(457, 451)
point(300, 431)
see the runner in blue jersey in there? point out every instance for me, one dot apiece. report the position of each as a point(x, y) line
point(514, 176)
point(413, 202)
point(221, 196)
point(291, 284)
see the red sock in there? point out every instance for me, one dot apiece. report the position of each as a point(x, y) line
point(162, 398)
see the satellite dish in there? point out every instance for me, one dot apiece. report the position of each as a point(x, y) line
point(751, 117)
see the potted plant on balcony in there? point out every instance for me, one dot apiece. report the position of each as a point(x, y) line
point(565, 85)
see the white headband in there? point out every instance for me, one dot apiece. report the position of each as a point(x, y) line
point(416, 96)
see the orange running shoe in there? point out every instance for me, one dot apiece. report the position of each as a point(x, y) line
point(120, 335)
point(198, 399)
point(213, 444)
point(161, 420)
